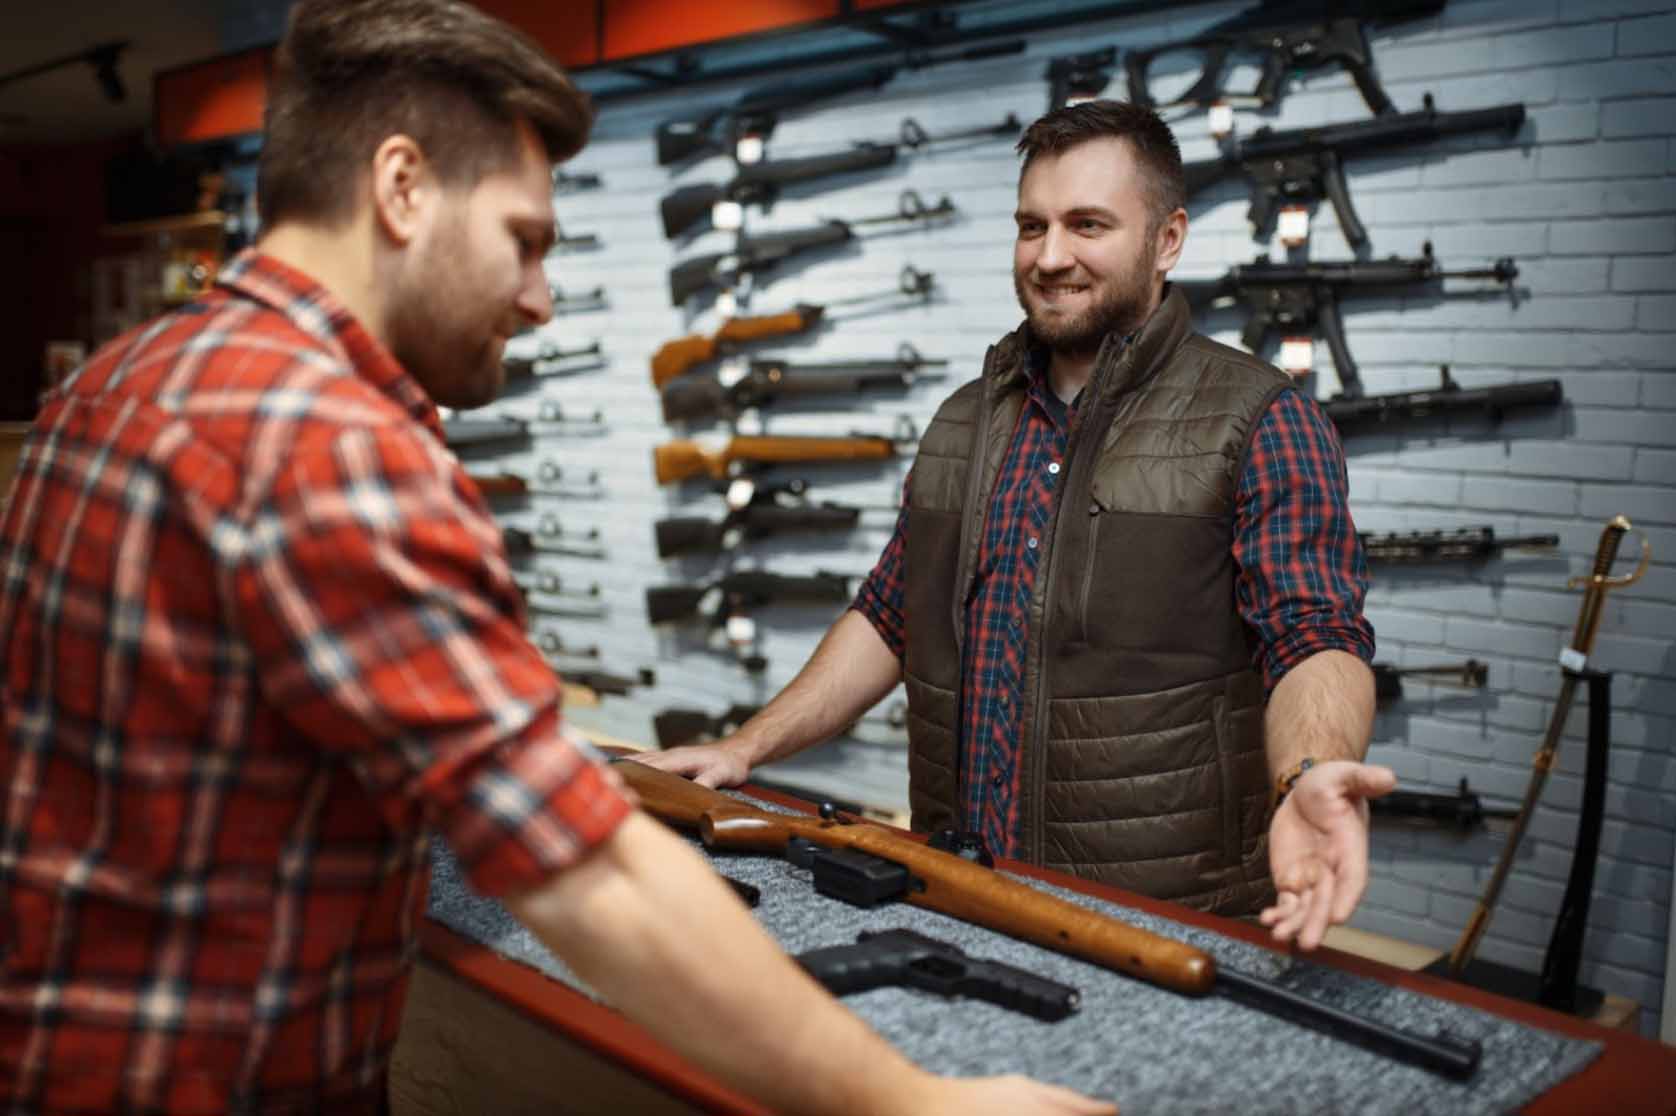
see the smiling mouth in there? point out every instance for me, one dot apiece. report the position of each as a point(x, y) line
point(1057, 290)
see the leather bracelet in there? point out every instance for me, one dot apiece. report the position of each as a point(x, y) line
point(1287, 779)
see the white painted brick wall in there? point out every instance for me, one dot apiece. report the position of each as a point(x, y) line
point(1584, 199)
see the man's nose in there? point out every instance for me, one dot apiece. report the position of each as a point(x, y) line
point(1055, 253)
point(535, 297)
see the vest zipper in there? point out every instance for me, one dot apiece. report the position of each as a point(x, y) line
point(1077, 453)
point(972, 519)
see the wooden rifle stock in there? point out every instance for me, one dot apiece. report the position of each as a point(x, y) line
point(685, 460)
point(944, 882)
point(674, 358)
point(500, 486)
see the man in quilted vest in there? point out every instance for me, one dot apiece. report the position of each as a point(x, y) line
point(1124, 591)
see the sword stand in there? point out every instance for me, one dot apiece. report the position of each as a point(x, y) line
point(1556, 986)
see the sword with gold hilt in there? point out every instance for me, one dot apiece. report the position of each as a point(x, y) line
point(1573, 660)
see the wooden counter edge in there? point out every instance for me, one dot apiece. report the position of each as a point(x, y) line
point(1624, 1079)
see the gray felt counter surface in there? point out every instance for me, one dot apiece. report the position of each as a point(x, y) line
point(1150, 1050)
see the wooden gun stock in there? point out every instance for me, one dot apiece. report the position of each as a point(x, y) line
point(944, 882)
point(674, 358)
point(500, 486)
point(678, 461)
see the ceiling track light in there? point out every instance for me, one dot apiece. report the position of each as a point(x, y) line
point(103, 58)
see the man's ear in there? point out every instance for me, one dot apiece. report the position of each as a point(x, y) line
point(1172, 237)
point(404, 188)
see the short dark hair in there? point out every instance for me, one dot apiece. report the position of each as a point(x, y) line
point(1150, 139)
point(350, 73)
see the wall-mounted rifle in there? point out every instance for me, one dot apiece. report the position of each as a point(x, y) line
point(1468, 544)
point(1387, 679)
point(753, 255)
point(762, 382)
point(1291, 37)
point(674, 358)
point(1304, 165)
point(689, 208)
point(689, 460)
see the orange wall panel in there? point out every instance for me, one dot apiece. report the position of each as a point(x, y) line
point(635, 27)
point(569, 29)
point(211, 100)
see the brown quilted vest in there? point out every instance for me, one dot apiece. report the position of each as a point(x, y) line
point(1141, 749)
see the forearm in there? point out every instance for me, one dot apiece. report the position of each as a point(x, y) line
point(647, 924)
point(849, 673)
point(1321, 709)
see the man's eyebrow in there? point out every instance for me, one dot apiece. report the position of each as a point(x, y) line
point(1099, 211)
point(544, 232)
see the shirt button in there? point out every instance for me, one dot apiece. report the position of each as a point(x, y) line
point(1031, 542)
point(996, 782)
point(1053, 467)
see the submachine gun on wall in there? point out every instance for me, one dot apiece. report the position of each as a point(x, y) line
point(1304, 297)
point(758, 111)
point(1304, 165)
point(760, 183)
point(1290, 36)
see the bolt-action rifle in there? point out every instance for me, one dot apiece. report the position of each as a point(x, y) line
point(717, 131)
point(674, 358)
point(1292, 36)
point(765, 381)
point(1468, 544)
point(756, 254)
point(551, 537)
point(740, 592)
point(1304, 165)
point(688, 460)
point(760, 184)
point(551, 419)
point(550, 360)
point(945, 882)
point(550, 480)
point(698, 535)
point(1387, 679)
point(675, 727)
point(1463, 811)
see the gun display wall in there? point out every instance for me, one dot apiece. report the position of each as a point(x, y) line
point(764, 290)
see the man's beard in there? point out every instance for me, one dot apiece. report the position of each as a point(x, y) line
point(436, 331)
point(1120, 306)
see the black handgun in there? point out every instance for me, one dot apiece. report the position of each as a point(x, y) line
point(903, 958)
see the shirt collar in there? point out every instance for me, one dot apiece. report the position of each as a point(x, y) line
point(317, 312)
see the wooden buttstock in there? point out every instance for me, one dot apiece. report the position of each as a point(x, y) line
point(762, 326)
point(679, 461)
point(676, 357)
point(675, 799)
point(790, 450)
point(499, 486)
point(949, 884)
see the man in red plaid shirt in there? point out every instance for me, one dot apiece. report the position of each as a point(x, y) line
point(258, 637)
point(1124, 590)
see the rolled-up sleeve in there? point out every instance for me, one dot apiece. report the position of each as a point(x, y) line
point(383, 621)
point(1302, 574)
point(880, 597)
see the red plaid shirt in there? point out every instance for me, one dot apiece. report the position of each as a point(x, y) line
point(257, 635)
point(1300, 583)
